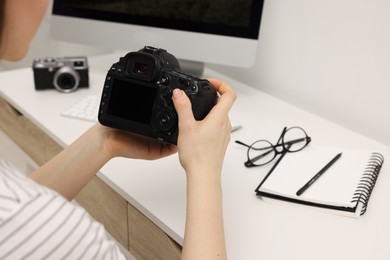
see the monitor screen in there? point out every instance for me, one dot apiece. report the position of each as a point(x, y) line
point(219, 31)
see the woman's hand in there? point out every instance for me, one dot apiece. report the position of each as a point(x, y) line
point(199, 143)
point(122, 144)
point(203, 143)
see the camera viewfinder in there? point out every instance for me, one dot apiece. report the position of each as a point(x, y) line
point(78, 63)
point(141, 68)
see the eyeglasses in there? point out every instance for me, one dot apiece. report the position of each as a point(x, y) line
point(263, 152)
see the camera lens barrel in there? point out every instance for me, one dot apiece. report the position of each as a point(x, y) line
point(66, 79)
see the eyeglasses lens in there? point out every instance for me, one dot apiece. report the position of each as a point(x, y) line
point(295, 139)
point(261, 152)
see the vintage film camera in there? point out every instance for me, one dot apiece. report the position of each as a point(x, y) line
point(137, 94)
point(64, 74)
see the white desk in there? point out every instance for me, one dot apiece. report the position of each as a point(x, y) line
point(254, 229)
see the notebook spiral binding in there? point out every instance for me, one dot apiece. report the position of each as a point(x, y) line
point(368, 180)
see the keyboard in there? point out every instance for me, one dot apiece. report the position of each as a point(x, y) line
point(87, 109)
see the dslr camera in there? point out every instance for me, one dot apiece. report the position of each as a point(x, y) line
point(64, 74)
point(137, 94)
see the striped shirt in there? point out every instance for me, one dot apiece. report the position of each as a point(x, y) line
point(38, 223)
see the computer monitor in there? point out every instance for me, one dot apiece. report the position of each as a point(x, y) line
point(224, 32)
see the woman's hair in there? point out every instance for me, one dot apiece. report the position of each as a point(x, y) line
point(2, 11)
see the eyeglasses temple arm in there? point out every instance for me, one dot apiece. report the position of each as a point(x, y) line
point(298, 140)
point(241, 143)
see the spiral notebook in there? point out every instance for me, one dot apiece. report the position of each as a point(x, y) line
point(344, 189)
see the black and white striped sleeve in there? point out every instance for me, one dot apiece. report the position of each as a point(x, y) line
point(38, 223)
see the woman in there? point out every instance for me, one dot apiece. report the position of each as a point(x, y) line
point(35, 219)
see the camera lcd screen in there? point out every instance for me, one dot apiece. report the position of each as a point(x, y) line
point(132, 101)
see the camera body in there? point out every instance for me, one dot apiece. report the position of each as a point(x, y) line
point(137, 94)
point(64, 74)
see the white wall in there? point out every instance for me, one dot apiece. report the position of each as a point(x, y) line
point(331, 57)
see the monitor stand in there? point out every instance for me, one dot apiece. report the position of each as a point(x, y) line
point(193, 68)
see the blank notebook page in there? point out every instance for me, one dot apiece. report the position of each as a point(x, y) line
point(335, 187)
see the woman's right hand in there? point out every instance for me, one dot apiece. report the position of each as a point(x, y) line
point(203, 143)
point(202, 146)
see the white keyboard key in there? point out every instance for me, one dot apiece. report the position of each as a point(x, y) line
point(86, 109)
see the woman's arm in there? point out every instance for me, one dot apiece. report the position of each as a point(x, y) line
point(202, 146)
point(70, 170)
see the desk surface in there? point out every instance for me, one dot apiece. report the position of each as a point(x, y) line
point(254, 229)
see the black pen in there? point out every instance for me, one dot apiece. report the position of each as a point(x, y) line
point(318, 175)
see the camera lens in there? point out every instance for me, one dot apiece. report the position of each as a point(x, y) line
point(141, 68)
point(66, 79)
